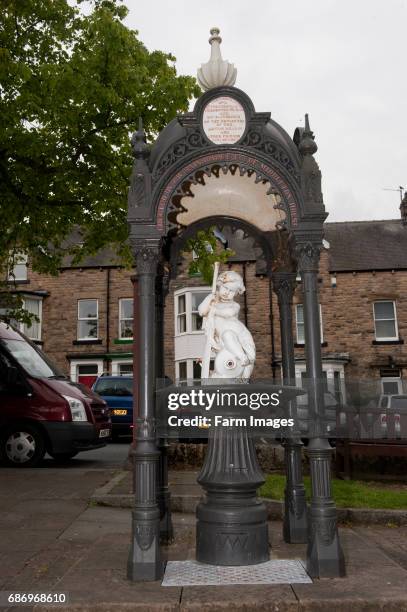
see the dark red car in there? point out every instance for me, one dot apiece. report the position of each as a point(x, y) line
point(41, 410)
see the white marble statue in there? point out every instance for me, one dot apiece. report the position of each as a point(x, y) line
point(226, 336)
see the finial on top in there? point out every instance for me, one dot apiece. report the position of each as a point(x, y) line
point(138, 141)
point(307, 144)
point(217, 71)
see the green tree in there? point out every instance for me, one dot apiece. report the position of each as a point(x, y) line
point(72, 87)
point(207, 250)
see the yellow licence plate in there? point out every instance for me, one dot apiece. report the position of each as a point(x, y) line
point(119, 412)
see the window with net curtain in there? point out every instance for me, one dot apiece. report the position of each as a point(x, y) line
point(87, 319)
point(126, 318)
point(32, 330)
point(34, 306)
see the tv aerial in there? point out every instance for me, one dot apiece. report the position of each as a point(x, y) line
point(400, 189)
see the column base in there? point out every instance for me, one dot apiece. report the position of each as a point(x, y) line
point(232, 522)
point(324, 553)
point(144, 561)
point(295, 525)
point(231, 534)
point(325, 557)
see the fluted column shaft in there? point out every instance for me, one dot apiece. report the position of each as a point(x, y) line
point(144, 562)
point(163, 492)
point(295, 507)
point(324, 553)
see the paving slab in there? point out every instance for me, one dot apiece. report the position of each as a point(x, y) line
point(392, 542)
point(84, 553)
point(274, 598)
point(96, 580)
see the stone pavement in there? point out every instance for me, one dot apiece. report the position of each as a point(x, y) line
point(52, 539)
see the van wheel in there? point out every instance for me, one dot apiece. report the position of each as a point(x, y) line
point(62, 457)
point(23, 446)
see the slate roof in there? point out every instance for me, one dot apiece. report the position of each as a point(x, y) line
point(367, 245)
point(353, 246)
point(102, 259)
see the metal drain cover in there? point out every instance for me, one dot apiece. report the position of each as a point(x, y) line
point(277, 571)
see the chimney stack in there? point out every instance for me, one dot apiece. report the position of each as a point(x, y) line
point(403, 209)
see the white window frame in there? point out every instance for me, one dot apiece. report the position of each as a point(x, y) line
point(190, 367)
point(125, 319)
point(25, 330)
point(385, 339)
point(74, 374)
point(16, 259)
point(116, 363)
point(330, 368)
point(392, 379)
point(88, 319)
point(188, 309)
point(321, 327)
point(22, 327)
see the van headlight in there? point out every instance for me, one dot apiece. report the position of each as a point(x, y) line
point(77, 408)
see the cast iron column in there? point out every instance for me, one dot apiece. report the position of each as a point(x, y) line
point(324, 553)
point(136, 362)
point(232, 522)
point(145, 562)
point(163, 492)
point(295, 506)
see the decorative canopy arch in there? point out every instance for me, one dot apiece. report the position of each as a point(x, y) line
point(224, 137)
point(234, 192)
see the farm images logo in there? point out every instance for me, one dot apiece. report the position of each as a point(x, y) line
point(190, 412)
point(356, 409)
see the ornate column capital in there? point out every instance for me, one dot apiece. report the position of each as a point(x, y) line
point(147, 256)
point(284, 284)
point(307, 254)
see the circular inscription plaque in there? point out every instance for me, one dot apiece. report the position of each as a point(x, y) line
point(224, 120)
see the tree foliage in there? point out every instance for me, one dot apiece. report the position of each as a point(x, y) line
point(207, 251)
point(72, 88)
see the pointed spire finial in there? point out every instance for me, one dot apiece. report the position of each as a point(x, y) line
point(217, 71)
point(138, 141)
point(307, 145)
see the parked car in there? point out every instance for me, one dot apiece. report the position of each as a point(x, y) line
point(41, 410)
point(117, 392)
point(392, 422)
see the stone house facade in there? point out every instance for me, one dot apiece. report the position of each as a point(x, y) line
point(86, 323)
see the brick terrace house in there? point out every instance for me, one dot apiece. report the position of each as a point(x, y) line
point(86, 312)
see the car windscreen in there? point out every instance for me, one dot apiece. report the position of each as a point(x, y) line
point(31, 359)
point(121, 387)
point(399, 401)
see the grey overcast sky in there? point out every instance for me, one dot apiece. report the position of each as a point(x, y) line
point(343, 62)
